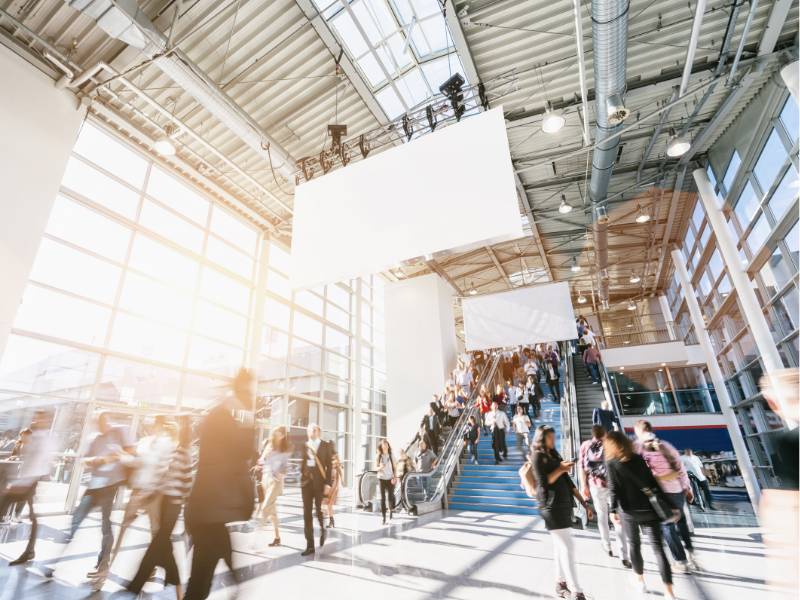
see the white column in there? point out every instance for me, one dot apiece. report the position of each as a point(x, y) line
point(39, 125)
point(751, 310)
point(739, 446)
point(663, 302)
point(357, 395)
point(420, 350)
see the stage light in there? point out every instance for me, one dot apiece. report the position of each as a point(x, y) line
point(452, 88)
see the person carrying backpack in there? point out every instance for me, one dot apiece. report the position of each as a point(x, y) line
point(594, 485)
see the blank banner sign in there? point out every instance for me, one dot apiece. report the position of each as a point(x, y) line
point(451, 189)
point(530, 315)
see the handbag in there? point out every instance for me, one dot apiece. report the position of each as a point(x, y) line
point(665, 512)
point(326, 489)
point(527, 481)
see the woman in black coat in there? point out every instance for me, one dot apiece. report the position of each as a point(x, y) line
point(628, 476)
point(555, 492)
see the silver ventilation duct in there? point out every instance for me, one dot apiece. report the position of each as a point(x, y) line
point(124, 20)
point(609, 39)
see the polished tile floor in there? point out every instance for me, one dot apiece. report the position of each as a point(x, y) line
point(459, 555)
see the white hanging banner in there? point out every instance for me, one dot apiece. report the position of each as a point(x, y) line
point(451, 189)
point(530, 315)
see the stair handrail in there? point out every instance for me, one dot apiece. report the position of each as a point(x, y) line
point(440, 477)
point(608, 392)
point(369, 477)
point(570, 425)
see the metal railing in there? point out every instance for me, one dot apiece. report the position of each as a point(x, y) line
point(367, 488)
point(426, 492)
point(635, 336)
point(570, 425)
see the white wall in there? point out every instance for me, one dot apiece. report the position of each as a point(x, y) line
point(420, 350)
point(652, 355)
point(678, 420)
point(39, 125)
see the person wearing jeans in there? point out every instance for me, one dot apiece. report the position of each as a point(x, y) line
point(594, 480)
point(387, 477)
point(628, 478)
point(665, 463)
point(106, 450)
point(694, 466)
point(591, 358)
point(471, 438)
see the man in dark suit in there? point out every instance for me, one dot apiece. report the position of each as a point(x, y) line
point(315, 483)
point(223, 491)
point(432, 427)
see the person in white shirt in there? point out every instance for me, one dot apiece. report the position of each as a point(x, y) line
point(694, 465)
point(497, 421)
point(36, 456)
point(522, 425)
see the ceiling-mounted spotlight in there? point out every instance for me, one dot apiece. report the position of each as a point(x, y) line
point(581, 298)
point(164, 144)
point(677, 145)
point(564, 208)
point(635, 278)
point(575, 268)
point(642, 217)
point(631, 305)
point(552, 121)
point(452, 88)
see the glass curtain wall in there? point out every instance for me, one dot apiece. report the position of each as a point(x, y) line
point(143, 299)
point(758, 194)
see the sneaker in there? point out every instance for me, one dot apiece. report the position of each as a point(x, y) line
point(680, 566)
point(562, 591)
point(626, 563)
point(307, 552)
point(692, 562)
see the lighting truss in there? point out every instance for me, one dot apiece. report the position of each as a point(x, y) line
point(421, 120)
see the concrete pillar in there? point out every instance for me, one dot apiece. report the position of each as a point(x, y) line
point(739, 446)
point(663, 302)
point(751, 310)
point(39, 126)
point(420, 350)
point(356, 434)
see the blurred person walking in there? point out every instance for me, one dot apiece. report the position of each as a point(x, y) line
point(104, 455)
point(472, 436)
point(387, 477)
point(315, 484)
point(606, 417)
point(591, 359)
point(222, 491)
point(693, 464)
point(146, 467)
point(665, 463)
point(594, 480)
point(173, 488)
point(497, 420)
point(36, 455)
point(522, 425)
point(275, 462)
point(337, 476)
point(630, 485)
point(778, 509)
point(555, 492)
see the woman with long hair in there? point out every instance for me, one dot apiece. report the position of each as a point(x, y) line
point(555, 492)
point(275, 460)
point(628, 476)
point(387, 477)
point(174, 488)
point(337, 476)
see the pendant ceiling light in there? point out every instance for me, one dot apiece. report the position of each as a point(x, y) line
point(575, 268)
point(677, 145)
point(564, 208)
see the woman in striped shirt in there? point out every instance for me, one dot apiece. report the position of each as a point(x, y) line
point(175, 486)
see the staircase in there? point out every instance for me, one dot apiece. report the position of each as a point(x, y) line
point(488, 487)
point(588, 396)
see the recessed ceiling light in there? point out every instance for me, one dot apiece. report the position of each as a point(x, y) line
point(663, 364)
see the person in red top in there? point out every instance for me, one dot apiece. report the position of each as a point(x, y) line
point(591, 358)
point(500, 397)
point(484, 407)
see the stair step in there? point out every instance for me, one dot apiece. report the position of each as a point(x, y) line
point(459, 491)
point(493, 508)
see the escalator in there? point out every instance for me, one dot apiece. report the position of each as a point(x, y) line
point(423, 488)
point(589, 395)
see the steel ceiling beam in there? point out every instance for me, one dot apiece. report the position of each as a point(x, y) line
point(499, 267)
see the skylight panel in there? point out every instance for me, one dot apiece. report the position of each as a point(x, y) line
point(366, 21)
point(425, 8)
point(390, 103)
point(433, 33)
point(371, 69)
point(349, 34)
point(413, 88)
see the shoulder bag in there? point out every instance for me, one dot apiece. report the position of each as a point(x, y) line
point(665, 511)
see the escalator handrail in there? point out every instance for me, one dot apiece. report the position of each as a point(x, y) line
point(453, 446)
point(570, 442)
